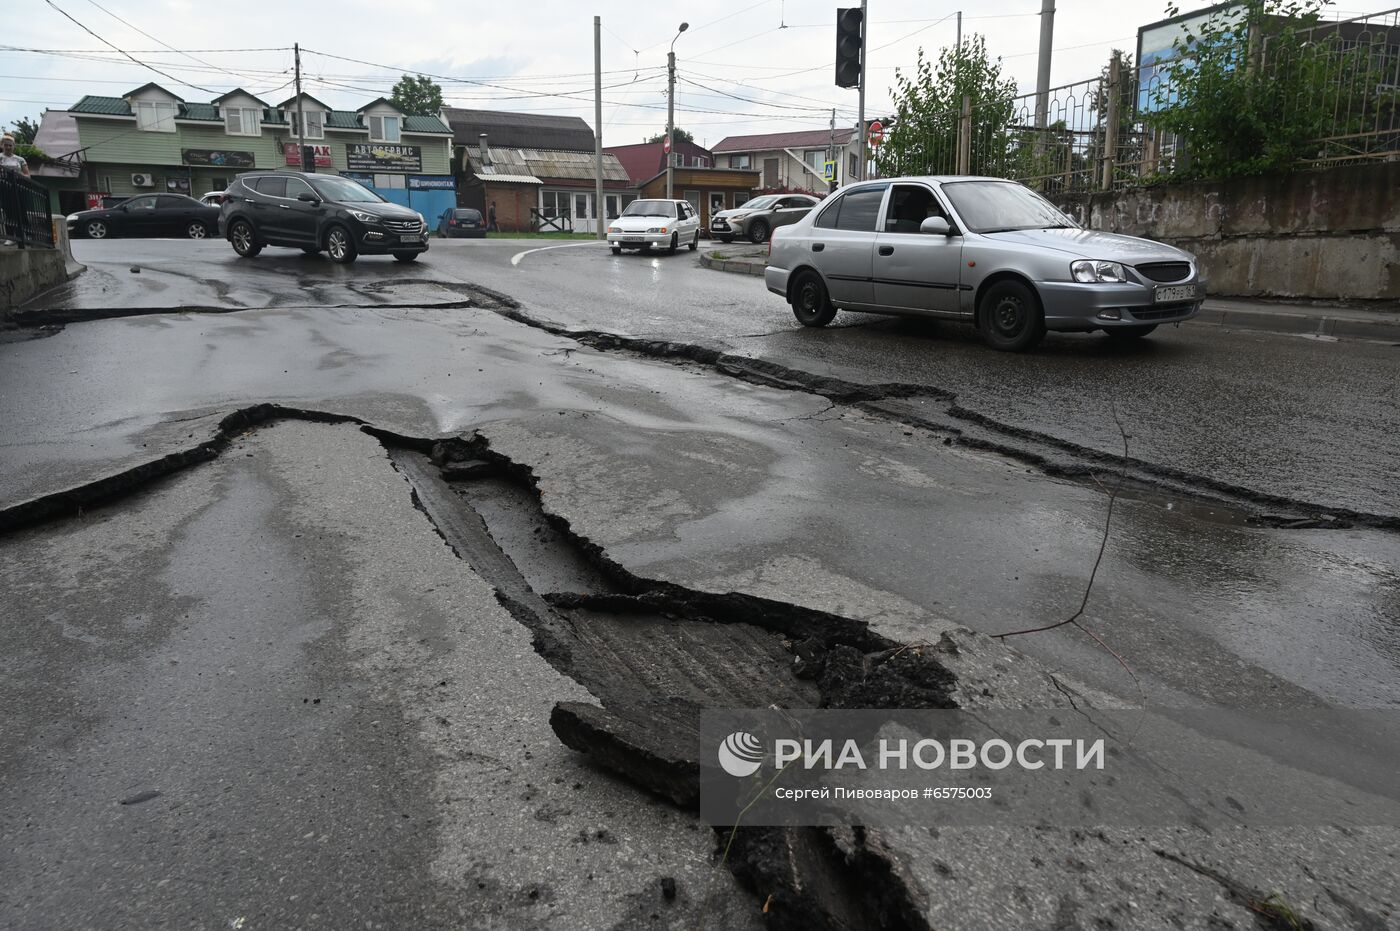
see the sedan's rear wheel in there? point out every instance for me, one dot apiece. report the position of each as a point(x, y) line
point(96, 229)
point(1010, 317)
point(244, 242)
point(196, 230)
point(811, 305)
point(758, 231)
point(1126, 333)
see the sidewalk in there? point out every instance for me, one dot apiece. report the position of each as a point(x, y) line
point(1278, 316)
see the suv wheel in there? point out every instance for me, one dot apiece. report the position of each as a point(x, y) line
point(245, 243)
point(758, 231)
point(1010, 317)
point(811, 305)
point(340, 246)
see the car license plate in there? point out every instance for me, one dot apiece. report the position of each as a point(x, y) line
point(410, 237)
point(631, 239)
point(1177, 292)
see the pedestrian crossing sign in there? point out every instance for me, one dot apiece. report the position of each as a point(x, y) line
point(829, 171)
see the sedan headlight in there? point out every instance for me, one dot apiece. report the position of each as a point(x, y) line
point(364, 217)
point(1091, 271)
point(658, 229)
point(614, 229)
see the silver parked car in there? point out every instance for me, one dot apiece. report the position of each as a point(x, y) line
point(988, 251)
point(756, 219)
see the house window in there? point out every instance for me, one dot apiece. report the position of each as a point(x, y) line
point(383, 129)
point(242, 121)
point(815, 159)
point(315, 124)
point(155, 117)
point(581, 206)
point(738, 161)
point(554, 203)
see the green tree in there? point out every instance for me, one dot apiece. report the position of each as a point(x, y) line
point(681, 136)
point(419, 96)
point(1252, 89)
point(24, 130)
point(928, 107)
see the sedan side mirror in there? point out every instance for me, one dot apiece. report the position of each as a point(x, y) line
point(935, 225)
point(308, 198)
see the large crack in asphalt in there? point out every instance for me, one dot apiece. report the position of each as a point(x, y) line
point(653, 653)
point(920, 406)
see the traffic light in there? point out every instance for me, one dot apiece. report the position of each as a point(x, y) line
point(850, 27)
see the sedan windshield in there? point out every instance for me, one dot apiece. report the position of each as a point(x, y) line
point(344, 191)
point(1000, 206)
point(650, 208)
point(758, 203)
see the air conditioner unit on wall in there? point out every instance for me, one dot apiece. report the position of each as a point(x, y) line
point(142, 180)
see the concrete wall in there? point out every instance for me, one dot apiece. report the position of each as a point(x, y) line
point(1327, 234)
point(26, 272)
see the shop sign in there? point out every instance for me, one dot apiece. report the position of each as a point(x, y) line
point(373, 156)
point(292, 153)
point(216, 158)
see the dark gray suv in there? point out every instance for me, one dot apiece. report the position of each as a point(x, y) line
point(317, 213)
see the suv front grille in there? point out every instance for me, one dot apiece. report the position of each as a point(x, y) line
point(402, 226)
point(1166, 271)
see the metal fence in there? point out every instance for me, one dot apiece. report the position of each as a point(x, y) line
point(1094, 134)
point(26, 218)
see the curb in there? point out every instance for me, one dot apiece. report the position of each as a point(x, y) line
point(734, 266)
point(1386, 326)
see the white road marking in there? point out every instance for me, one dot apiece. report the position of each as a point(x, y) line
point(515, 259)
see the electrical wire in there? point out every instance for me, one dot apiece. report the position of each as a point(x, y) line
point(132, 57)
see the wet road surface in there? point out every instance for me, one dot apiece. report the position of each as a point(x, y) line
point(683, 474)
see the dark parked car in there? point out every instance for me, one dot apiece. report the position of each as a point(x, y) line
point(317, 213)
point(147, 215)
point(462, 221)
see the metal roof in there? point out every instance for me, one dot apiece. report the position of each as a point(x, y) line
point(343, 119)
point(417, 123)
point(105, 106)
point(529, 130)
point(557, 164)
point(811, 138)
point(510, 179)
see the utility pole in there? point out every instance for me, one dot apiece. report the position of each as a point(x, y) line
point(1042, 78)
point(301, 115)
point(865, 70)
point(831, 152)
point(598, 210)
point(959, 42)
point(671, 114)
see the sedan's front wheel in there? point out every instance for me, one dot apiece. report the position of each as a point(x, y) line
point(196, 230)
point(694, 242)
point(811, 305)
point(96, 229)
point(1010, 317)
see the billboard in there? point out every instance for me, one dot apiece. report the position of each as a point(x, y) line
point(361, 156)
point(1155, 48)
point(292, 153)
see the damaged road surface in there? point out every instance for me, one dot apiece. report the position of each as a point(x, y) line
point(400, 612)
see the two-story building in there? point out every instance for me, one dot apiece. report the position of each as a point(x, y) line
point(792, 161)
point(151, 139)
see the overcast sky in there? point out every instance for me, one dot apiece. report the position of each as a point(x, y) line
point(776, 54)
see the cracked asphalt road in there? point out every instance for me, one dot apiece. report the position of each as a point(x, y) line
point(680, 473)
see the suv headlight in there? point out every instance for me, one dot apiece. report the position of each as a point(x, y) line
point(364, 217)
point(1090, 271)
point(736, 216)
point(422, 222)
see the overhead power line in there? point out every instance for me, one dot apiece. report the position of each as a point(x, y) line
point(133, 58)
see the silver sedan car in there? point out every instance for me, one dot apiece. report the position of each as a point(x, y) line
point(988, 251)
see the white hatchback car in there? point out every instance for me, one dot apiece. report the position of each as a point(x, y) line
point(649, 223)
